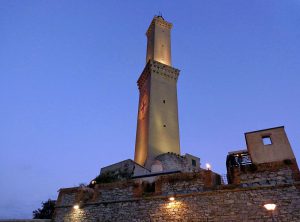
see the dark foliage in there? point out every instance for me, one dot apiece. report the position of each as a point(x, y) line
point(106, 178)
point(287, 162)
point(110, 177)
point(46, 212)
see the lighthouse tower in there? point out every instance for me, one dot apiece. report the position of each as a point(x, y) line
point(157, 122)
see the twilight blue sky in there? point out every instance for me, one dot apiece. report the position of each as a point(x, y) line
point(68, 94)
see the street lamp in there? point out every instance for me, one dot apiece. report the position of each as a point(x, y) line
point(208, 166)
point(270, 207)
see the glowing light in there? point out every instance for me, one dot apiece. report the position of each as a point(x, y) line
point(76, 207)
point(270, 207)
point(93, 182)
point(171, 198)
point(208, 166)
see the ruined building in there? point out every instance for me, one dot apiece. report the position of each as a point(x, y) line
point(161, 184)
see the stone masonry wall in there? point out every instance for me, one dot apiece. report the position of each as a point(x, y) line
point(180, 183)
point(265, 178)
point(224, 204)
point(275, 173)
point(173, 161)
point(107, 193)
point(197, 198)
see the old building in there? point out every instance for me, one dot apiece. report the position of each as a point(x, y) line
point(161, 184)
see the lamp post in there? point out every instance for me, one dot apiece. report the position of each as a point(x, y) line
point(208, 166)
point(270, 207)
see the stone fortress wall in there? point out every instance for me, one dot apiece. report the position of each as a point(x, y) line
point(243, 204)
point(195, 200)
point(119, 194)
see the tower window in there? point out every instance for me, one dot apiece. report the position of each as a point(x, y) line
point(193, 162)
point(267, 140)
point(164, 125)
point(164, 101)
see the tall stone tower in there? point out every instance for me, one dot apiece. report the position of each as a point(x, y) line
point(157, 124)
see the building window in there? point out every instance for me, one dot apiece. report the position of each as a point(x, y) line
point(267, 140)
point(164, 101)
point(164, 125)
point(193, 162)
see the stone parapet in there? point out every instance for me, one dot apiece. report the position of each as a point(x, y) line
point(176, 183)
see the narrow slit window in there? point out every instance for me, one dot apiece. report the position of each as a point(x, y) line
point(164, 101)
point(267, 140)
